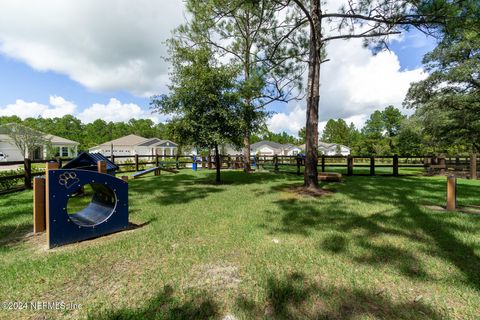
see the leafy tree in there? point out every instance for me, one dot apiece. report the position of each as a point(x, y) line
point(448, 100)
point(383, 18)
point(254, 36)
point(336, 131)
point(410, 138)
point(302, 135)
point(283, 137)
point(202, 100)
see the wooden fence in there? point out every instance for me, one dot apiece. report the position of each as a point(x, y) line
point(350, 165)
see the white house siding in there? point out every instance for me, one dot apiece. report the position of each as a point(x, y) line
point(11, 151)
point(117, 150)
point(333, 151)
point(264, 150)
point(292, 151)
point(8, 147)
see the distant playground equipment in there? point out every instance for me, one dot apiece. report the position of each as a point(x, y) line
point(155, 170)
point(107, 211)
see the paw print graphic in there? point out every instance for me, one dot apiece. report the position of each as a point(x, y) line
point(68, 179)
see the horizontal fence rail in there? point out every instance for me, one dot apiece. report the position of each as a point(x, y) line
point(20, 178)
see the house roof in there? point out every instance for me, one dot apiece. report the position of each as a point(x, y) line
point(274, 145)
point(330, 145)
point(130, 140)
point(53, 139)
point(156, 142)
point(60, 140)
point(271, 144)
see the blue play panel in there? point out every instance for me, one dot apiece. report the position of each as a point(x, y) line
point(106, 213)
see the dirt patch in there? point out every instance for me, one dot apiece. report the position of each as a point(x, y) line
point(311, 192)
point(215, 276)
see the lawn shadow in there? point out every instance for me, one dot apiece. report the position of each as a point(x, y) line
point(184, 188)
point(166, 306)
point(406, 219)
point(296, 297)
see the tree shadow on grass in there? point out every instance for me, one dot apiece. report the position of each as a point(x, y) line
point(166, 306)
point(437, 233)
point(184, 188)
point(296, 297)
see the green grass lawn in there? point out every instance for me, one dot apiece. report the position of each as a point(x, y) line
point(252, 249)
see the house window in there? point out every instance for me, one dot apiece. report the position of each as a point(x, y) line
point(61, 151)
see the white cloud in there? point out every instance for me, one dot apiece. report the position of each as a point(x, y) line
point(114, 111)
point(104, 45)
point(290, 121)
point(58, 108)
point(354, 83)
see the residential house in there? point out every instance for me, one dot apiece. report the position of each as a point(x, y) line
point(333, 149)
point(273, 148)
point(53, 146)
point(133, 144)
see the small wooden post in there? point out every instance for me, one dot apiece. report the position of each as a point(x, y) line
point(299, 162)
point(102, 166)
point(473, 166)
point(157, 161)
point(349, 165)
point(49, 166)
point(27, 165)
point(323, 163)
point(136, 163)
point(372, 165)
point(177, 166)
point(209, 162)
point(451, 193)
point(112, 158)
point(395, 165)
point(59, 161)
point(38, 204)
point(275, 162)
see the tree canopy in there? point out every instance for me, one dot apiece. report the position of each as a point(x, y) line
point(202, 99)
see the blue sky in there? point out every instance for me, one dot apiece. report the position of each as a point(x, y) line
point(110, 68)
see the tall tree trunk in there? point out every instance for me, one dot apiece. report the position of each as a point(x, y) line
point(217, 165)
point(313, 99)
point(246, 152)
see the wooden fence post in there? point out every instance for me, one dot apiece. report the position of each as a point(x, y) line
point(176, 162)
point(473, 166)
point(209, 161)
point(157, 161)
point(299, 162)
point(136, 163)
point(323, 163)
point(27, 166)
point(275, 162)
point(101, 166)
point(349, 165)
point(112, 158)
point(49, 166)
point(372, 165)
point(39, 204)
point(451, 193)
point(395, 165)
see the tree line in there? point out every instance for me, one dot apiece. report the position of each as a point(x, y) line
point(94, 133)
